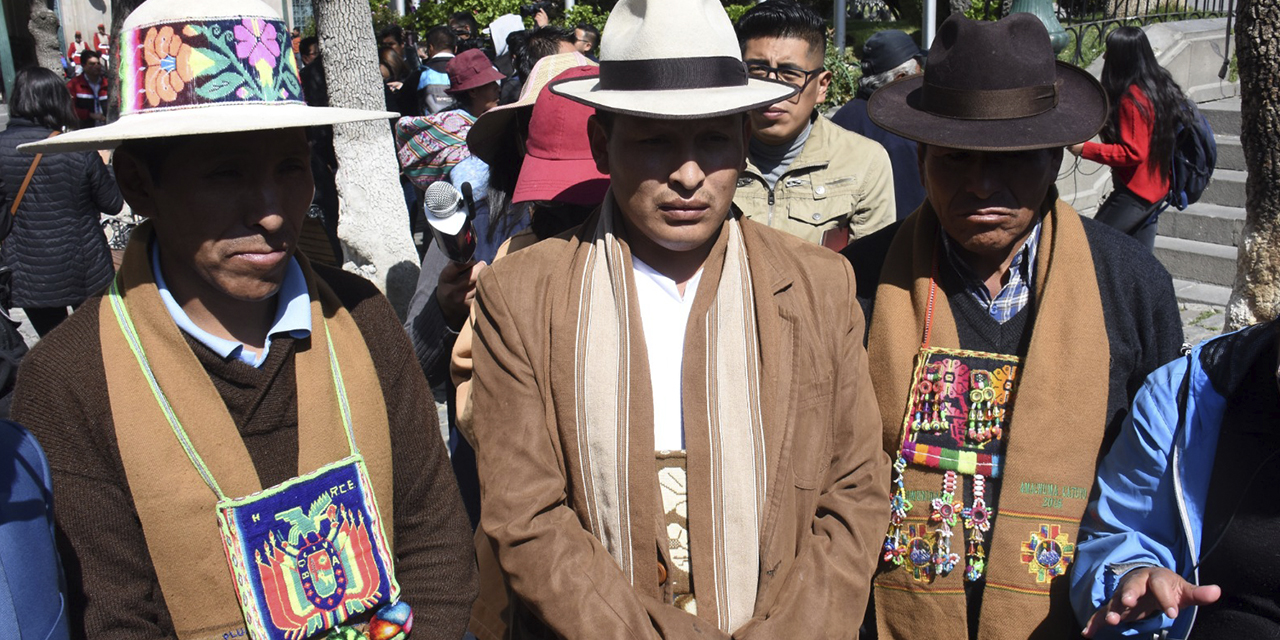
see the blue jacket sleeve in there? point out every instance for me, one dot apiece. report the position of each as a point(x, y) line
point(1135, 519)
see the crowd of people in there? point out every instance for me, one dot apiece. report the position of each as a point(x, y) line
point(686, 357)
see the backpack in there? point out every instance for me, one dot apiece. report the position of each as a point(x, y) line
point(1194, 155)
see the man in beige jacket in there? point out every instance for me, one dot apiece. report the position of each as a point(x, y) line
point(674, 426)
point(805, 175)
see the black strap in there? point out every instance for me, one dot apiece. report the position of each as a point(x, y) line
point(989, 104)
point(662, 74)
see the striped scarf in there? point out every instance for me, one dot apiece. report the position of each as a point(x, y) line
point(428, 147)
point(723, 425)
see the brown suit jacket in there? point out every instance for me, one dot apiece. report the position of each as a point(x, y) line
point(827, 497)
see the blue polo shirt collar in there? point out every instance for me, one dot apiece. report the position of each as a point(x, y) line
point(293, 314)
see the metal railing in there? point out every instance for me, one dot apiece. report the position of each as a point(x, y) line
point(1088, 22)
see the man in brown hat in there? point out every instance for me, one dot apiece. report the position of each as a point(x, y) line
point(1007, 336)
point(674, 428)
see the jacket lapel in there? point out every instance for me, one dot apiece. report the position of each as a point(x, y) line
point(776, 323)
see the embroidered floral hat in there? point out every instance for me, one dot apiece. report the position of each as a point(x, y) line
point(192, 68)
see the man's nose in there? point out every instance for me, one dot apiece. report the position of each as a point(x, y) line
point(688, 175)
point(985, 176)
point(268, 212)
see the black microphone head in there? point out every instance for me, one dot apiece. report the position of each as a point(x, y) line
point(443, 200)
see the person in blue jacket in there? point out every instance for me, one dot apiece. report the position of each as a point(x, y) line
point(31, 584)
point(1182, 530)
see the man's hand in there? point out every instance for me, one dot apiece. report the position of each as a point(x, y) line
point(1146, 591)
point(541, 19)
point(456, 289)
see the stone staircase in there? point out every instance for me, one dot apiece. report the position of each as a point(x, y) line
point(1199, 246)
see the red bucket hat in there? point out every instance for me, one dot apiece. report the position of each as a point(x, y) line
point(471, 69)
point(557, 162)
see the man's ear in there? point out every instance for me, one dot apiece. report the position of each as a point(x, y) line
point(824, 83)
point(599, 139)
point(136, 183)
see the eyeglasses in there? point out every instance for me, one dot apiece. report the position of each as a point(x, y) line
point(790, 75)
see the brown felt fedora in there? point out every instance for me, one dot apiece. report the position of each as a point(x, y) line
point(993, 86)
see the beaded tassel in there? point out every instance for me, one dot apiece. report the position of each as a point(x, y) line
point(978, 521)
point(894, 546)
point(946, 512)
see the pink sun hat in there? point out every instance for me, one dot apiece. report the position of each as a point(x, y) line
point(557, 163)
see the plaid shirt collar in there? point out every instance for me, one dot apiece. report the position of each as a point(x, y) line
point(1016, 293)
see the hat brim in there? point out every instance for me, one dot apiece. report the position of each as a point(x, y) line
point(1079, 115)
point(229, 118)
point(572, 181)
point(676, 104)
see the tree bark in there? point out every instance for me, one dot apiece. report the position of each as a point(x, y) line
point(1256, 295)
point(374, 222)
point(34, 34)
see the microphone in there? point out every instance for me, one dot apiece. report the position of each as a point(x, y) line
point(450, 220)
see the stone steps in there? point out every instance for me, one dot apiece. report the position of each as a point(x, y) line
point(1223, 115)
point(1204, 222)
point(1197, 261)
point(1226, 188)
point(1201, 293)
point(1230, 152)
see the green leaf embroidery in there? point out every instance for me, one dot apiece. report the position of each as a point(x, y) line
point(221, 86)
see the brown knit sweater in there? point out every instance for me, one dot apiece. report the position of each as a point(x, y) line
point(61, 396)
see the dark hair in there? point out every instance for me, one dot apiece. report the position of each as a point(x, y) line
point(89, 53)
point(306, 43)
point(1130, 62)
point(545, 41)
point(783, 19)
point(394, 63)
point(468, 19)
point(517, 49)
point(41, 96)
point(392, 31)
point(592, 33)
point(441, 38)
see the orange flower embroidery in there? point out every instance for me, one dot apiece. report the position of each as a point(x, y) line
point(168, 65)
point(1004, 383)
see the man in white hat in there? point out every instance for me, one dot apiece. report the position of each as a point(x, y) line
point(674, 426)
point(241, 442)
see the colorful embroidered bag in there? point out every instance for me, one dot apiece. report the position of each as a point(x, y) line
point(306, 555)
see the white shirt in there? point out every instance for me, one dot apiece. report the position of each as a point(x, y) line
point(664, 315)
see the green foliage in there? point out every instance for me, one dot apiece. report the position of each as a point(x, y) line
point(587, 13)
point(845, 72)
point(735, 11)
point(984, 10)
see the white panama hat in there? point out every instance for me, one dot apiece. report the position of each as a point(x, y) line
point(193, 67)
point(672, 60)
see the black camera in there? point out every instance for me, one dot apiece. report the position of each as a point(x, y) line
point(531, 10)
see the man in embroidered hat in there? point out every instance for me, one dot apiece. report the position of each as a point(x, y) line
point(1007, 336)
point(241, 442)
point(805, 175)
point(674, 427)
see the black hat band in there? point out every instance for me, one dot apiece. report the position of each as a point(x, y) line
point(989, 104)
point(666, 74)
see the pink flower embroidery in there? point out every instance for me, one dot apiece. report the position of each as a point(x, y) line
point(257, 41)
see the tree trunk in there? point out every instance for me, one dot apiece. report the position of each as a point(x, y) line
point(374, 222)
point(1256, 295)
point(34, 31)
